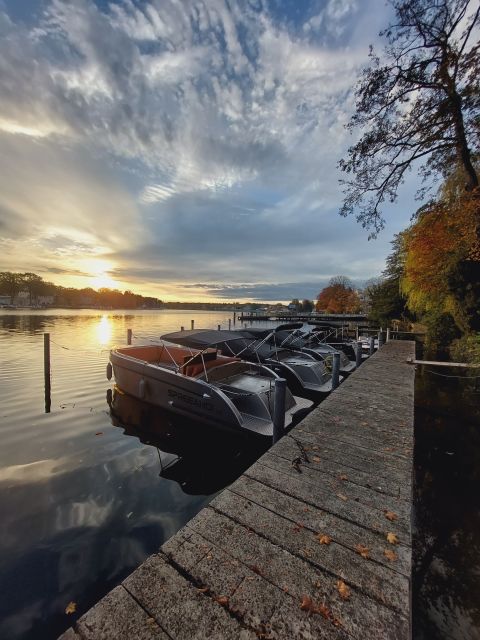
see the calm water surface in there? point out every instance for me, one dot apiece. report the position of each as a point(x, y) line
point(446, 586)
point(85, 497)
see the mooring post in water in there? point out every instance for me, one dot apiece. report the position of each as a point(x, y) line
point(129, 336)
point(46, 371)
point(335, 370)
point(388, 334)
point(229, 324)
point(371, 345)
point(218, 327)
point(279, 409)
point(234, 317)
point(182, 328)
point(380, 339)
point(192, 324)
point(358, 354)
point(356, 332)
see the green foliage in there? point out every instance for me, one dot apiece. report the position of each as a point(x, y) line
point(466, 348)
point(441, 330)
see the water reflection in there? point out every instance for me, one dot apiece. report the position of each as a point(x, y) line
point(104, 331)
point(446, 588)
point(84, 502)
point(201, 460)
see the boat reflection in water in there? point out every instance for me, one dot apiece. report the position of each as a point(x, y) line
point(202, 462)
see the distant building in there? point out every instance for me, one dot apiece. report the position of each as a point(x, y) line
point(4, 300)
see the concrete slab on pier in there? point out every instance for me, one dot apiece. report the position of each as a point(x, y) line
point(312, 542)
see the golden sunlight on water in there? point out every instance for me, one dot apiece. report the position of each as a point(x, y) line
point(104, 330)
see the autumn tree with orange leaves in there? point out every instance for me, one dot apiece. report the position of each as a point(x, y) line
point(435, 247)
point(338, 297)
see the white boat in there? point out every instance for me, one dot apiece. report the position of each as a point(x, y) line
point(203, 385)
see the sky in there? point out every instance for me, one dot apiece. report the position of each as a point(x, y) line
point(185, 149)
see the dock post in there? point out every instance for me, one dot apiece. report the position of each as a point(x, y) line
point(182, 328)
point(371, 345)
point(229, 324)
point(358, 354)
point(388, 334)
point(46, 371)
point(356, 332)
point(129, 336)
point(380, 339)
point(192, 324)
point(335, 370)
point(279, 409)
point(234, 317)
point(218, 327)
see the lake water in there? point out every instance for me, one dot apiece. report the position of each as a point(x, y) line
point(446, 585)
point(83, 501)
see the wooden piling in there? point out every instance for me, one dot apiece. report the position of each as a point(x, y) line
point(279, 409)
point(46, 371)
point(129, 336)
point(192, 324)
point(335, 370)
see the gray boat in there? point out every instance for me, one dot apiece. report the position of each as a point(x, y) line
point(305, 375)
point(203, 385)
point(291, 337)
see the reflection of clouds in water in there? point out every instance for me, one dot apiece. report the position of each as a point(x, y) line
point(82, 514)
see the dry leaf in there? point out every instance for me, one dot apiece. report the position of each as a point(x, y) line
point(362, 550)
point(343, 590)
point(392, 538)
point(256, 570)
point(99, 433)
point(390, 515)
point(390, 555)
point(316, 459)
point(323, 539)
point(342, 477)
point(203, 589)
point(342, 497)
point(223, 600)
point(298, 527)
point(71, 607)
point(306, 604)
point(151, 620)
point(307, 553)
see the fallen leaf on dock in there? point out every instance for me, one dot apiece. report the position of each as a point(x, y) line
point(202, 589)
point(223, 600)
point(298, 527)
point(316, 459)
point(71, 607)
point(390, 515)
point(306, 604)
point(362, 550)
point(343, 477)
point(343, 590)
point(392, 538)
point(324, 539)
point(390, 555)
point(342, 497)
point(99, 433)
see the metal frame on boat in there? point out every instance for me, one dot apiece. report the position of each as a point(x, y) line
point(305, 374)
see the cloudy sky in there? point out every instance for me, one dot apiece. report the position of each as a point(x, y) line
point(184, 149)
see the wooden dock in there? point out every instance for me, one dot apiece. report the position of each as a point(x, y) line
point(312, 542)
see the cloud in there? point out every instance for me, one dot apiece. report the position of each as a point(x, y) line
point(191, 140)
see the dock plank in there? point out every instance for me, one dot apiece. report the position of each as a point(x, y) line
point(254, 563)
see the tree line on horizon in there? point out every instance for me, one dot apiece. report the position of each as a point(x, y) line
point(13, 283)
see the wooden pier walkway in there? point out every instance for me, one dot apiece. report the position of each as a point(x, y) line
point(312, 542)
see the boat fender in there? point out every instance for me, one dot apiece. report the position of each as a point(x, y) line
point(109, 371)
point(142, 388)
